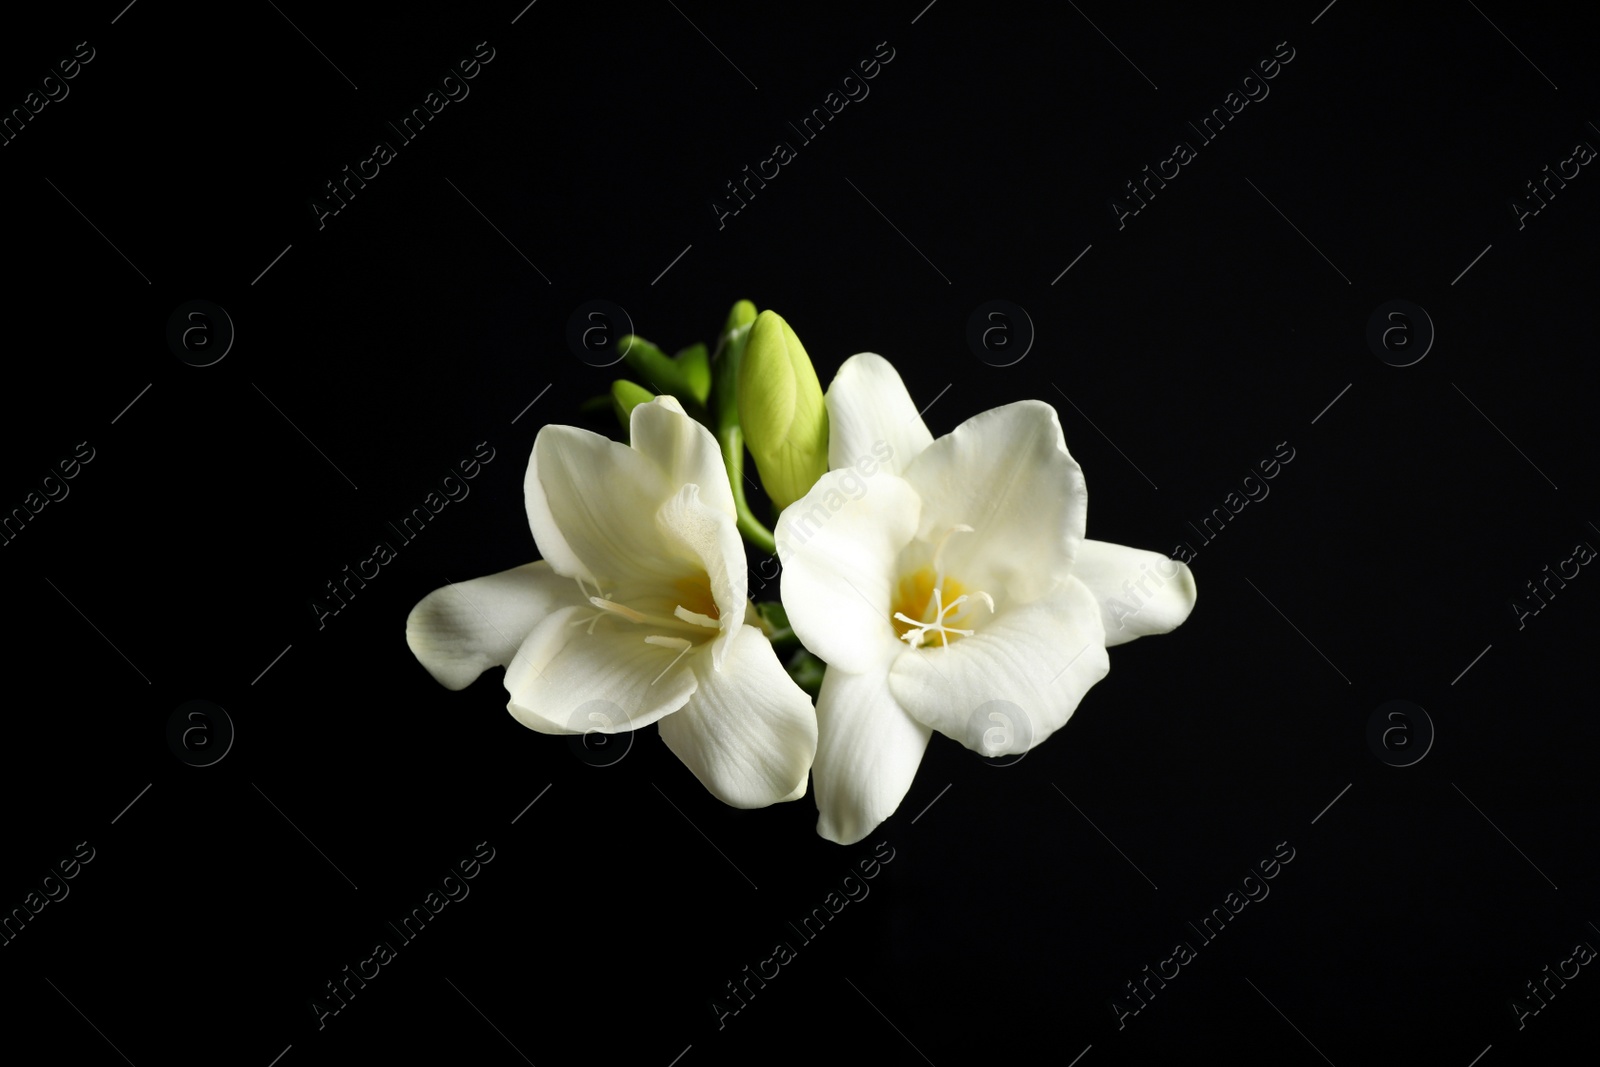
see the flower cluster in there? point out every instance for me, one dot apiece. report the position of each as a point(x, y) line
point(935, 584)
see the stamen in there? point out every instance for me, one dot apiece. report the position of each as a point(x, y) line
point(927, 598)
point(695, 618)
point(919, 631)
point(938, 551)
point(590, 619)
point(631, 614)
point(680, 643)
point(679, 616)
point(597, 616)
point(621, 609)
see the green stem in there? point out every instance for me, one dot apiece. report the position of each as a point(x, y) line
point(732, 441)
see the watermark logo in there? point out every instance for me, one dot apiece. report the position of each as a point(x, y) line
point(602, 733)
point(51, 888)
point(53, 488)
point(1000, 732)
point(200, 733)
point(1137, 993)
point(851, 888)
point(1550, 582)
point(52, 88)
point(592, 330)
point(1540, 991)
point(336, 993)
point(1252, 88)
point(795, 527)
point(449, 489)
point(1000, 333)
point(1541, 190)
point(1252, 489)
point(850, 89)
point(1400, 333)
point(200, 333)
point(451, 87)
point(1400, 733)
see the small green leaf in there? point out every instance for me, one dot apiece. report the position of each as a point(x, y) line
point(650, 363)
point(625, 396)
point(694, 365)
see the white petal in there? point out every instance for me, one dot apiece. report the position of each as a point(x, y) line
point(872, 420)
point(868, 750)
point(459, 631)
point(838, 545)
point(1007, 474)
point(563, 675)
point(684, 450)
point(748, 733)
point(707, 540)
point(591, 505)
point(1139, 592)
point(1030, 665)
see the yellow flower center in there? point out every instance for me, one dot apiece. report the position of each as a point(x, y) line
point(927, 600)
point(915, 606)
point(696, 613)
point(695, 594)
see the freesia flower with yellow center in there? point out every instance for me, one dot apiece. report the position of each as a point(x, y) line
point(639, 605)
point(955, 579)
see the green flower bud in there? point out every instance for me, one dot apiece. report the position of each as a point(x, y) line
point(743, 314)
point(781, 411)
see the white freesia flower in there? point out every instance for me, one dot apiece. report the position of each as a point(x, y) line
point(954, 580)
point(639, 604)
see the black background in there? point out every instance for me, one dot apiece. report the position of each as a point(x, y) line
point(410, 327)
